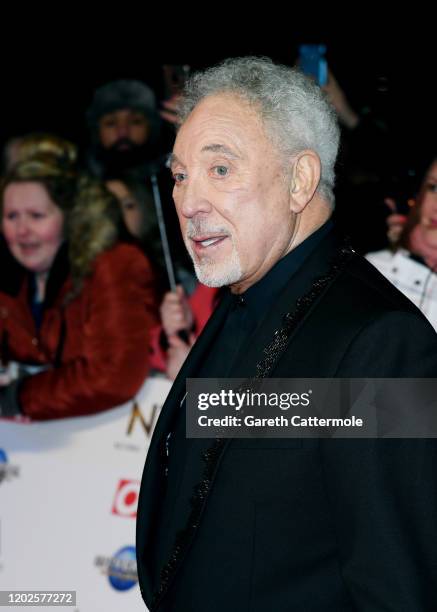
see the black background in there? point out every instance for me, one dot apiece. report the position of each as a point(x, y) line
point(51, 65)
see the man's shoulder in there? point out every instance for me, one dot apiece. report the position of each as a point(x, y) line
point(385, 333)
point(362, 298)
point(362, 326)
point(362, 283)
point(359, 292)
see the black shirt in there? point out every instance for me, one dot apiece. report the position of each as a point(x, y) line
point(248, 309)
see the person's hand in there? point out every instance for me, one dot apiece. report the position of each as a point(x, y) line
point(175, 312)
point(5, 378)
point(337, 98)
point(395, 221)
point(177, 353)
point(171, 108)
point(395, 225)
point(8, 373)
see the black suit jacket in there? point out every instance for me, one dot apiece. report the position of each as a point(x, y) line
point(303, 525)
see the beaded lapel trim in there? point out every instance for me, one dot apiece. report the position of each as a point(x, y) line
point(212, 455)
point(275, 349)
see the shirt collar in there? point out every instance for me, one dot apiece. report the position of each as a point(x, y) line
point(267, 289)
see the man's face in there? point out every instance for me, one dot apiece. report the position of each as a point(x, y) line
point(123, 128)
point(231, 193)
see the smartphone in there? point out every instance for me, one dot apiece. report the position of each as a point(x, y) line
point(312, 61)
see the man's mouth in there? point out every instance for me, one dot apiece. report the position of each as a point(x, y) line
point(124, 144)
point(124, 147)
point(204, 242)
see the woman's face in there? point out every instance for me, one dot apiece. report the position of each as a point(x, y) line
point(131, 209)
point(428, 208)
point(32, 225)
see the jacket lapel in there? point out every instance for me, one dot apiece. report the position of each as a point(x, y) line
point(154, 469)
point(316, 267)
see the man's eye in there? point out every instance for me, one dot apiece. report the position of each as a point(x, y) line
point(38, 215)
point(179, 177)
point(220, 170)
point(432, 187)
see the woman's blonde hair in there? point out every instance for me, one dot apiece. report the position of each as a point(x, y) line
point(92, 216)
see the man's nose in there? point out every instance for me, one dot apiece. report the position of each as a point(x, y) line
point(193, 199)
point(122, 130)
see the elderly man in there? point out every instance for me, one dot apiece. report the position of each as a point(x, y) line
point(283, 524)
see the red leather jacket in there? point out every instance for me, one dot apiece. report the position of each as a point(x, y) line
point(96, 345)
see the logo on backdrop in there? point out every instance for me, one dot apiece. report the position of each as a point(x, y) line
point(7, 471)
point(126, 498)
point(121, 569)
point(136, 416)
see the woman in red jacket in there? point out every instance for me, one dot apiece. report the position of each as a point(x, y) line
point(76, 302)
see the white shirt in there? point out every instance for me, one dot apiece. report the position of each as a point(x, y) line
point(415, 280)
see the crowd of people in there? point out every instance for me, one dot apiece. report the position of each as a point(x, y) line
point(78, 296)
point(86, 310)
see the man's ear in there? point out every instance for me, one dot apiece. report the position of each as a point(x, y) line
point(305, 177)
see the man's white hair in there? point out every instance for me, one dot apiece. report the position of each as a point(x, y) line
point(295, 111)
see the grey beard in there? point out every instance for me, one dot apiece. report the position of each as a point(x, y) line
point(207, 271)
point(214, 274)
